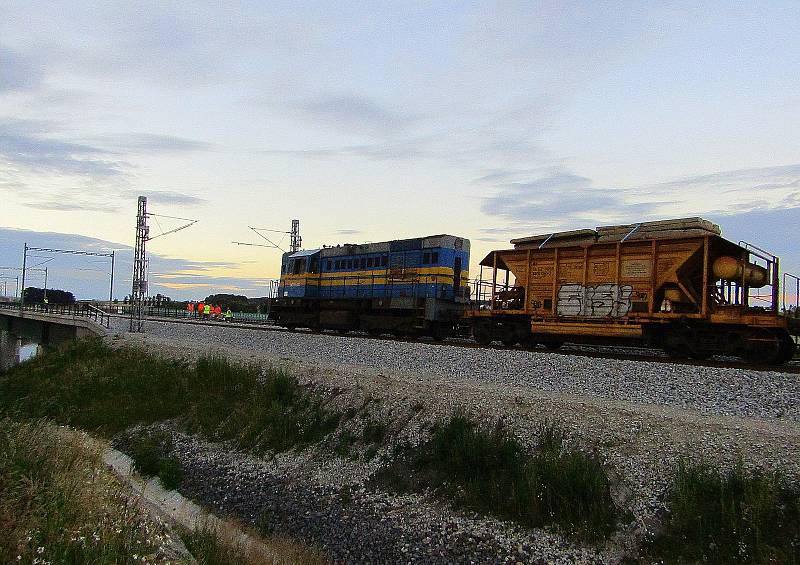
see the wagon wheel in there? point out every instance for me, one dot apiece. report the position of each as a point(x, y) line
point(787, 349)
point(675, 347)
point(763, 346)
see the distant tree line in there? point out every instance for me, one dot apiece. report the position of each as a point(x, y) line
point(34, 295)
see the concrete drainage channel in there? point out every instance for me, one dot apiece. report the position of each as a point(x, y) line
point(175, 509)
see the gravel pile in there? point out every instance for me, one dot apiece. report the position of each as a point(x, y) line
point(710, 390)
point(355, 524)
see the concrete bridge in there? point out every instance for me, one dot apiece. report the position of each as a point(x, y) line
point(51, 324)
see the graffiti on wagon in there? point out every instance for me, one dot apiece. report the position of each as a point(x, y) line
point(601, 301)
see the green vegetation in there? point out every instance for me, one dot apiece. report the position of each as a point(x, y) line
point(149, 452)
point(59, 504)
point(105, 390)
point(207, 547)
point(735, 517)
point(216, 547)
point(490, 471)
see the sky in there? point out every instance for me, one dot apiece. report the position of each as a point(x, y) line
point(383, 120)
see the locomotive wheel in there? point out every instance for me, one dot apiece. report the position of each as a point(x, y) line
point(482, 334)
point(438, 331)
point(509, 340)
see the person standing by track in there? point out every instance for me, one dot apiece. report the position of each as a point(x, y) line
point(201, 308)
point(207, 311)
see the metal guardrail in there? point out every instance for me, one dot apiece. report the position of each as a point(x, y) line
point(184, 314)
point(68, 310)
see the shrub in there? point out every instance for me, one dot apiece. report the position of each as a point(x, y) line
point(736, 516)
point(488, 470)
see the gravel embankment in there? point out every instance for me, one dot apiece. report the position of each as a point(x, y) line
point(712, 390)
point(640, 417)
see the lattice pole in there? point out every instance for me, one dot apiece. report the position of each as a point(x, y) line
point(139, 286)
point(295, 241)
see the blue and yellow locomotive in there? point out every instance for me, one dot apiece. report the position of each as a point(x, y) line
point(408, 287)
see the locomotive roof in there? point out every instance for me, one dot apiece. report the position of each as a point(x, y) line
point(426, 242)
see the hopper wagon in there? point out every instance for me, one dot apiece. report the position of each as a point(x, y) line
point(673, 284)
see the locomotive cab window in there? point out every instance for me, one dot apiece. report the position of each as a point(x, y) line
point(384, 260)
point(435, 257)
point(370, 262)
point(328, 266)
point(363, 262)
point(426, 258)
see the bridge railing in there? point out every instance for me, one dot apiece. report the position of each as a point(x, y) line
point(183, 313)
point(69, 310)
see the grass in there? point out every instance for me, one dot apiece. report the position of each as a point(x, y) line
point(489, 471)
point(149, 452)
point(92, 386)
point(224, 546)
point(737, 516)
point(59, 504)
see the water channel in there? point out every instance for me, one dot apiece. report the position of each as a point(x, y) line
point(15, 349)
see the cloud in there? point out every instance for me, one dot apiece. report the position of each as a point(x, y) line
point(67, 205)
point(563, 196)
point(355, 114)
point(96, 173)
point(25, 144)
point(167, 197)
point(150, 143)
point(558, 197)
point(18, 72)
point(347, 232)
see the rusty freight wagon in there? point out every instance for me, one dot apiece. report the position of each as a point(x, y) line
point(673, 284)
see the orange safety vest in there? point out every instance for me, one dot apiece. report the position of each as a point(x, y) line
point(201, 307)
point(217, 310)
point(190, 307)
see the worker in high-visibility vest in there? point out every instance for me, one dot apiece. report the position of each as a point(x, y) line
point(218, 312)
point(190, 309)
point(228, 315)
point(201, 308)
point(207, 311)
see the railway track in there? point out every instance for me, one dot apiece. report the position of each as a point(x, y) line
point(627, 353)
